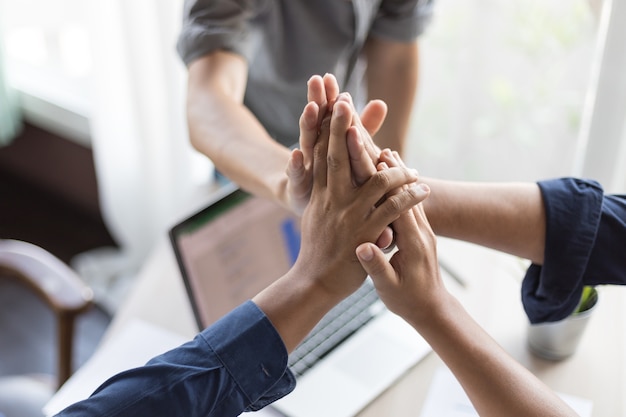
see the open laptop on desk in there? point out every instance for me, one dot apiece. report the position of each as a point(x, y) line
point(239, 244)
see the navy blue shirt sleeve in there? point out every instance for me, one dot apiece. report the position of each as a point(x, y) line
point(238, 364)
point(585, 245)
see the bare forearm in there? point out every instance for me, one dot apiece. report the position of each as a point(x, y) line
point(496, 384)
point(233, 139)
point(508, 217)
point(295, 304)
point(392, 76)
point(222, 128)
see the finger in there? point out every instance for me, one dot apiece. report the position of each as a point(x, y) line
point(316, 92)
point(379, 213)
point(406, 229)
point(363, 161)
point(320, 154)
point(295, 166)
point(332, 89)
point(420, 207)
point(375, 112)
point(373, 116)
point(390, 209)
point(381, 166)
point(373, 261)
point(412, 227)
point(383, 182)
point(386, 239)
point(299, 183)
point(339, 172)
point(398, 158)
point(387, 158)
point(392, 158)
point(360, 161)
point(308, 130)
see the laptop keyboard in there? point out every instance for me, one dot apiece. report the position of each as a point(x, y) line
point(339, 323)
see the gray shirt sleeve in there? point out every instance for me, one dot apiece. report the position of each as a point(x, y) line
point(209, 25)
point(402, 20)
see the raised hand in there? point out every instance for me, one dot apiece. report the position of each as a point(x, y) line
point(322, 93)
point(411, 276)
point(342, 214)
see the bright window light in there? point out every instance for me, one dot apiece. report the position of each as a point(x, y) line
point(75, 51)
point(27, 45)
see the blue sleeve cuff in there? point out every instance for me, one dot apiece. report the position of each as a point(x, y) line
point(585, 245)
point(573, 211)
point(253, 353)
point(237, 364)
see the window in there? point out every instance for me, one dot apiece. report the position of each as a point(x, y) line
point(48, 60)
point(502, 89)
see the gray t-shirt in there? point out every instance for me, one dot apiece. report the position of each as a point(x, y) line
point(287, 41)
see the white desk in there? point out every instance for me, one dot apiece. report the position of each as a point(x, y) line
point(597, 371)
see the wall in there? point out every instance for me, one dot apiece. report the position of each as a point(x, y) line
point(54, 164)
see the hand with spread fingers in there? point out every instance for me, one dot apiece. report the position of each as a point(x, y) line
point(340, 215)
point(343, 213)
point(322, 93)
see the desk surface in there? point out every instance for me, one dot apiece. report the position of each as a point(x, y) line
point(492, 295)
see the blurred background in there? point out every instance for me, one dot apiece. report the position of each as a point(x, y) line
point(92, 115)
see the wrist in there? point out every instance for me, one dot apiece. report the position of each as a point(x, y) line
point(294, 304)
point(323, 282)
point(434, 312)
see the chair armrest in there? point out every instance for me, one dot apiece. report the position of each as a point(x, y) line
point(56, 284)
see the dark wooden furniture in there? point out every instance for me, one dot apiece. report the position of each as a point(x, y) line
point(56, 284)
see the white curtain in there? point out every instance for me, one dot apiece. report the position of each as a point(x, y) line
point(601, 152)
point(9, 113)
point(143, 159)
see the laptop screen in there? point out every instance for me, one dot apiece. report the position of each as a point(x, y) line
point(231, 250)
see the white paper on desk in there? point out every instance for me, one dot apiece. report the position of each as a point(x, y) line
point(133, 346)
point(446, 398)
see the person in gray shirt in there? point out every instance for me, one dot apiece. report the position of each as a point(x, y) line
point(248, 61)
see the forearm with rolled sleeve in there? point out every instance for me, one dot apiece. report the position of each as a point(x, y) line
point(585, 245)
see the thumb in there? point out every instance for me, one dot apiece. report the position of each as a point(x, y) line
point(373, 116)
point(373, 261)
point(298, 183)
point(295, 166)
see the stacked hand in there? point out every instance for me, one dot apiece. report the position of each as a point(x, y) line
point(323, 92)
point(346, 206)
point(411, 275)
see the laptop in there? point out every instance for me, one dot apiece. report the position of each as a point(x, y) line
point(237, 245)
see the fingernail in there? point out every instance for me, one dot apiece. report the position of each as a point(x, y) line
point(359, 139)
point(339, 110)
point(365, 253)
point(421, 189)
